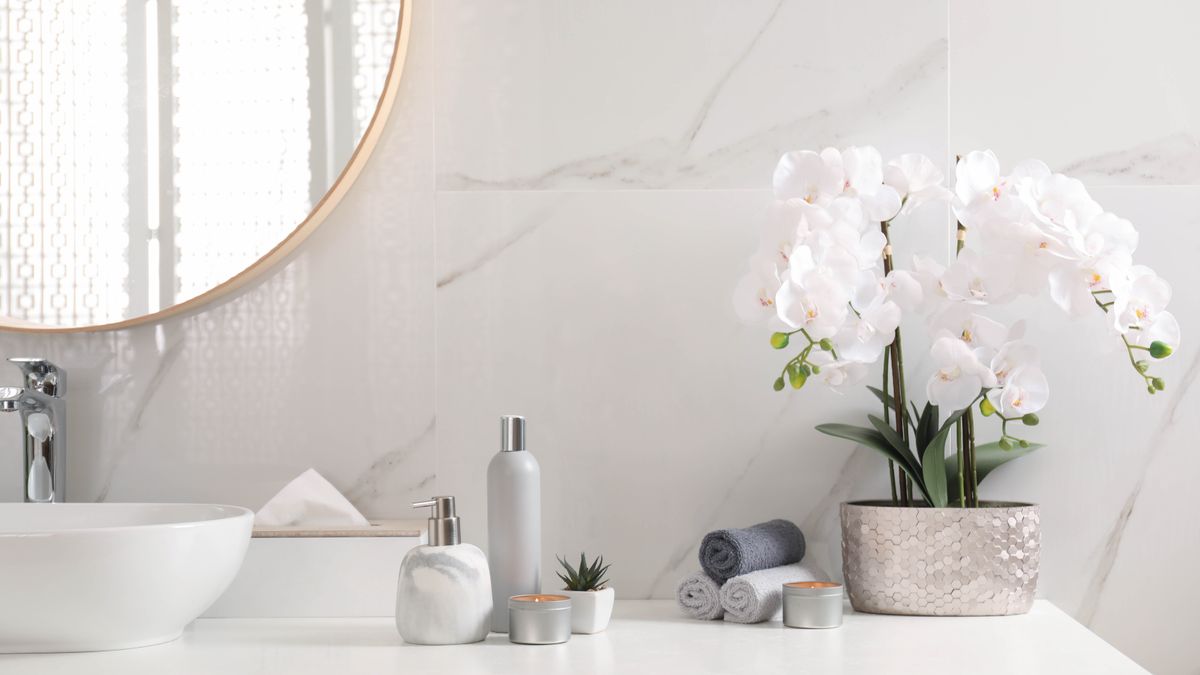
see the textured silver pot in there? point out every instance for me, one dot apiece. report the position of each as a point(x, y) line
point(941, 562)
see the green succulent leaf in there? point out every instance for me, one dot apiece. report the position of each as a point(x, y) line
point(587, 577)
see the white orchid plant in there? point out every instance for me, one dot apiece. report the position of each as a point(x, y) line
point(824, 278)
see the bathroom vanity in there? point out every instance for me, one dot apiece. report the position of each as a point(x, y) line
point(646, 636)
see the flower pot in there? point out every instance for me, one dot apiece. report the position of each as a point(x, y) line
point(590, 610)
point(941, 562)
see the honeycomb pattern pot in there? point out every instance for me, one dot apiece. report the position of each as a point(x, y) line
point(941, 562)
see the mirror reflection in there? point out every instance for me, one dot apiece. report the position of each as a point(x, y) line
point(151, 150)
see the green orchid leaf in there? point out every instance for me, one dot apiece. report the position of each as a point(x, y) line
point(870, 438)
point(988, 457)
point(933, 467)
point(890, 402)
point(898, 443)
point(927, 425)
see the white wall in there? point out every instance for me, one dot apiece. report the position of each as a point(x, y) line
point(552, 226)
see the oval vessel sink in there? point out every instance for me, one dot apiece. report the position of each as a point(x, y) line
point(87, 577)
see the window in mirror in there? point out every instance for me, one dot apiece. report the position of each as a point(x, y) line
point(146, 156)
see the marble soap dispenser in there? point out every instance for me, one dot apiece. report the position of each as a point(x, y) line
point(444, 594)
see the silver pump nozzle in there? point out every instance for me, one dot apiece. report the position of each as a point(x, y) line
point(443, 522)
point(512, 433)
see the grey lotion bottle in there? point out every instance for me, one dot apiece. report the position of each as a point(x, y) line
point(514, 515)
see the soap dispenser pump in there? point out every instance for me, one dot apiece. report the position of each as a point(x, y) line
point(444, 593)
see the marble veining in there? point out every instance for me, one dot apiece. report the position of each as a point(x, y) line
point(675, 163)
point(1172, 160)
point(1112, 544)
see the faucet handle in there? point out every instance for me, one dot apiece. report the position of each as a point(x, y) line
point(41, 375)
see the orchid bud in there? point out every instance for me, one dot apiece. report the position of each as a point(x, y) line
point(779, 340)
point(826, 344)
point(1151, 390)
point(778, 386)
point(1005, 444)
point(1160, 349)
point(797, 378)
point(986, 407)
point(1024, 443)
point(816, 369)
point(1159, 383)
point(804, 368)
point(1142, 366)
point(1030, 419)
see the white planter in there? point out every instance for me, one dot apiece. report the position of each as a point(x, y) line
point(590, 610)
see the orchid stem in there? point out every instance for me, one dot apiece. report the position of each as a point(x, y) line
point(887, 419)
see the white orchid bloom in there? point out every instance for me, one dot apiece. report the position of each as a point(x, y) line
point(840, 375)
point(814, 296)
point(1137, 306)
point(978, 279)
point(928, 272)
point(1012, 357)
point(917, 180)
point(1164, 328)
point(1023, 252)
point(1072, 283)
point(864, 179)
point(959, 377)
point(978, 185)
point(815, 178)
point(899, 286)
point(784, 224)
point(754, 297)
point(1059, 203)
point(1103, 235)
point(978, 332)
point(1024, 391)
point(864, 337)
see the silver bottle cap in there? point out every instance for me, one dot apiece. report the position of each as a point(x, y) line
point(443, 522)
point(512, 433)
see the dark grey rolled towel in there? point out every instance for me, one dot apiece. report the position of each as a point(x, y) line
point(725, 554)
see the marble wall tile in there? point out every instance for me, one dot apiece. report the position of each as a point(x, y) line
point(680, 94)
point(1105, 90)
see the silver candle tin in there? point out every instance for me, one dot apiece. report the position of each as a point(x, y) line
point(812, 604)
point(539, 619)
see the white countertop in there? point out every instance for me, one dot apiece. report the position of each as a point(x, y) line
point(644, 637)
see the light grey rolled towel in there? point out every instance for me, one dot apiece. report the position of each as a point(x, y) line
point(725, 554)
point(700, 597)
point(758, 596)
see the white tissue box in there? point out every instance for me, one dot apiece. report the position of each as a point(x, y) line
point(307, 572)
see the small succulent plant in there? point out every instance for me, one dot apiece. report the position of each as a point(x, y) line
point(589, 577)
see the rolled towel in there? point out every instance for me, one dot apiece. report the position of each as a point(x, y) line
point(725, 554)
point(700, 597)
point(758, 596)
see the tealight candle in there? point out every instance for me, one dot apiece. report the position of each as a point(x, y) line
point(812, 604)
point(539, 619)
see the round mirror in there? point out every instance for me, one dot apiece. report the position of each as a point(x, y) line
point(156, 154)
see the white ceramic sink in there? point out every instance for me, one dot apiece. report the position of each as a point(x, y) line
point(85, 577)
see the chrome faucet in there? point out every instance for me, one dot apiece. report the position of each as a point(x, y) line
point(43, 408)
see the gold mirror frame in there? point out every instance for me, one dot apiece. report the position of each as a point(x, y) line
point(333, 196)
